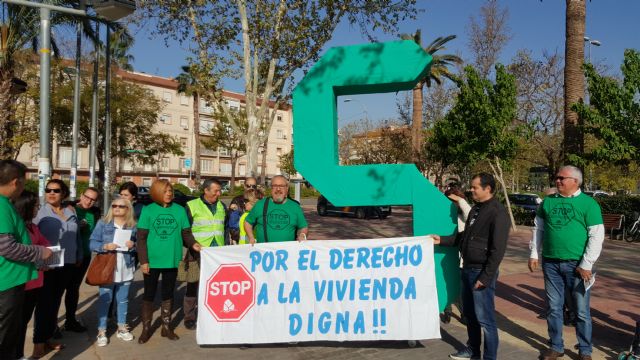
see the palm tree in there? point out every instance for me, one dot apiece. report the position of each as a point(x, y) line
point(188, 85)
point(573, 76)
point(439, 69)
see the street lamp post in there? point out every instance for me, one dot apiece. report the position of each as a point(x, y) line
point(590, 42)
point(107, 127)
point(94, 116)
point(76, 112)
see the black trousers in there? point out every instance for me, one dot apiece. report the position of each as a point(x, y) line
point(168, 284)
point(55, 282)
point(30, 300)
point(72, 295)
point(11, 301)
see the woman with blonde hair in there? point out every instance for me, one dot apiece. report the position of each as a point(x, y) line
point(118, 222)
point(163, 229)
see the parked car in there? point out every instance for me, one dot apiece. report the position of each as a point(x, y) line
point(178, 196)
point(529, 202)
point(597, 193)
point(325, 207)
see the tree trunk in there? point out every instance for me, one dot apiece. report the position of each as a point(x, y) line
point(263, 173)
point(573, 76)
point(234, 160)
point(416, 122)
point(196, 130)
point(497, 172)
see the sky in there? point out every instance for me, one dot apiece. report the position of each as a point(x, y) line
point(535, 25)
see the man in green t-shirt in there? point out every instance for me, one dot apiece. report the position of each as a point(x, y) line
point(569, 229)
point(17, 256)
point(283, 217)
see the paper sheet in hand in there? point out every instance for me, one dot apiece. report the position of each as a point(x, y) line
point(120, 238)
point(56, 259)
point(589, 283)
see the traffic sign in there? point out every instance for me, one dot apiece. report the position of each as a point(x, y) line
point(187, 163)
point(230, 293)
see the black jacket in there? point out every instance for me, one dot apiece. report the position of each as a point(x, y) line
point(484, 240)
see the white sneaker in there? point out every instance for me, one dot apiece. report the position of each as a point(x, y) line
point(124, 334)
point(102, 339)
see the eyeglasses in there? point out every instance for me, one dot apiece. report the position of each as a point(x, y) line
point(115, 206)
point(279, 186)
point(55, 191)
point(561, 178)
point(89, 198)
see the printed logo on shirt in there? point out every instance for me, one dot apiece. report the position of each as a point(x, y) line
point(562, 214)
point(278, 219)
point(164, 225)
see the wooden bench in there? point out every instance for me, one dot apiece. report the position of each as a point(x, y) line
point(613, 222)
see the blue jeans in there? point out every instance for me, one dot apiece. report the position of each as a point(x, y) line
point(122, 302)
point(561, 276)
point(479, 308)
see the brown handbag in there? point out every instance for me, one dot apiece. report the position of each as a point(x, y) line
point(101, 269)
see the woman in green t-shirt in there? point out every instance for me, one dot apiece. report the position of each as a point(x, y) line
point(163, 228)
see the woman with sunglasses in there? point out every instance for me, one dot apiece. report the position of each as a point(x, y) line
point(119, 218)
point(162, 230)
point(59, 225)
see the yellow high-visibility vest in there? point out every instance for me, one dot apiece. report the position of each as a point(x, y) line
point(243, 232)
point(207, 227)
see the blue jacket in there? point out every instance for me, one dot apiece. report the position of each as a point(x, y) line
point(103, 234)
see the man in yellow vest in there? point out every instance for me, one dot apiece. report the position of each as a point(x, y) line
point(208, 218)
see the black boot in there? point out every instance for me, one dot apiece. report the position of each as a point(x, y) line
point(147, 313)
point(165, 313)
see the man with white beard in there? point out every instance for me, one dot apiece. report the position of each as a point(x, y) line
point(276, 218)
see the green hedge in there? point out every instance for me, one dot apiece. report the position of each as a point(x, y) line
point(628, 206)
point(522, 216)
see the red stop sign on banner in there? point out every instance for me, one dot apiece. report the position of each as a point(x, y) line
point(231, 292)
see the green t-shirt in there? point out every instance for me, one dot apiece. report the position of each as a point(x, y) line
point(283, 220)
point(164, 242)
point(566, 223)
point(13, 273)
point(85, 230)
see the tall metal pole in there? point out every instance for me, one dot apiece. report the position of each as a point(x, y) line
point(94, 116)
point(76, 115)
point(44, 171)
point(107, 127)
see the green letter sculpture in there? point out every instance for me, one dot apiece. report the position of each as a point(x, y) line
point(366, 69)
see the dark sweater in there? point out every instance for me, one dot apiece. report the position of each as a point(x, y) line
point(484, 240)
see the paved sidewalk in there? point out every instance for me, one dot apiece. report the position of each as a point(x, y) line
point(518, 302)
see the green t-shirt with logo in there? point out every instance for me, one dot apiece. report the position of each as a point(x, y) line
point(14, 273)
point(283, 220)
point(566, 223)
point(164, 242)
point(86, 229)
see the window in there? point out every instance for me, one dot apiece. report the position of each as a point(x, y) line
point(148, 167)
point(224, 152)
point(206, 108)
point(234, 105)
point(225, 169)
point(242, 169)
point(165, 119)
point(64, 157)
point(164, 162)
point(146, 181)
point(184, 122)
point(184, 100)
point(35, 153)
point(206, 126)
point(279, 117)
point(127, 166)
point(280, 134)
point(206, 165)
point(279, 151)
point(184, 142)
point(182, 163)
point(166, 96)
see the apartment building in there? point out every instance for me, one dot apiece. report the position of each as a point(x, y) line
point(176, 119)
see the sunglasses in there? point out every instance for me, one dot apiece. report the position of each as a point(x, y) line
point(55, 191)
point(561, 178)
point(115, 206)
point(253, 186)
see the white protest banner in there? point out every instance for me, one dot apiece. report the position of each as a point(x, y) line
point(330, 290)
